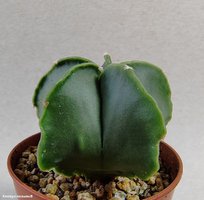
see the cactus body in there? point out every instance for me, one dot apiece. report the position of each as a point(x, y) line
point(103, 122)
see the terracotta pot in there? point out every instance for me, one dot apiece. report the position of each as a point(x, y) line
point(169, 156)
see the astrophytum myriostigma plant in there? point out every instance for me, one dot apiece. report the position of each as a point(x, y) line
point(102, 120)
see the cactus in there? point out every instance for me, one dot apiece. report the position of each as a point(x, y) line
point(102, 121)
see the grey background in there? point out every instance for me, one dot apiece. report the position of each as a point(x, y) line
point(33, 34)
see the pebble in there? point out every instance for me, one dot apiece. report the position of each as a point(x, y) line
point(132, 197)
point(53, 197)
point(20, 174)
point(65, 198)
point(65, 186)
point(152, 180)
point(32, 159)
point(126, 184)
point(85, 196)
point(26, 154)
point(43, 182)
point(60, 179)
point(33, 178)
point(51, 188)
point(159, 184)
point(120, 195)
point(99, 192)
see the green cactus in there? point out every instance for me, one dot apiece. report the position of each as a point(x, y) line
point(102, 121)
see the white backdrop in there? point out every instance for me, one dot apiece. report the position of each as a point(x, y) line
point(170, 34)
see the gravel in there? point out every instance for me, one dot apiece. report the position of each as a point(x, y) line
point(59, 187)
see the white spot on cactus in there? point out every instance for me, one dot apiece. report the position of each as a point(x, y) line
point(128, 67)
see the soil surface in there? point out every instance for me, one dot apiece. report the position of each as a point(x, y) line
point(60, 187)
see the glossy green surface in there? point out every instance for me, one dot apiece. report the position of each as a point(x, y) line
point(49, 80)
point(102, 122)
point(70, 126)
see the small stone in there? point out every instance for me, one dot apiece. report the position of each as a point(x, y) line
point(85, 196)
point(87, 184)
point(152, 180)
point(77, 186)
point(110, 188)
point(21, 166)
point(53, 197)
point(96, 184)
point(26, 154)
point(33, 178)
point(43, 182)
point(64, 186)
point(32, 159)
point(41, 174)
point(50, 180)
point(32, 149)
point(59, 193)
point(165, 176)
point(22, 160)
point(153, 188)
point(81, 179)
point(72, 194)
point(34, 171)
point(147, 193)
point(69, 179)
point(99, 192)
point(75, 180)
point(66, 193)
point(121, 195)
point(132, 197)
point(60, 179)
point(20, 174)
point(159, 184)
point(51, 188)
point(125, 185)
point(133, 185)
point(143, 186)
point(65, 198)
point(166, 183)
point(27, 173)
point(42, 190)
point(83, 184)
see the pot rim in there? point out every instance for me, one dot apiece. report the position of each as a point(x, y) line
point(164, 192)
